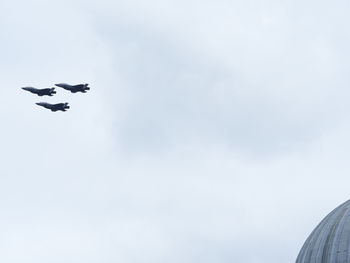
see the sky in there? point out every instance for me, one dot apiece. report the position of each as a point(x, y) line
point(214, 131)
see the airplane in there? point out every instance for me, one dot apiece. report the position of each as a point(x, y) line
point(41, 92)
point(54, 107)
point(74, 88)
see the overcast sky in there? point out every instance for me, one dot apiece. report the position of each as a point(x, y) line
point(214, 131)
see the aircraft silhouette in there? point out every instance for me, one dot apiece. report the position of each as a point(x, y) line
point(41, 92)
point(54, 107)
point(74, 88)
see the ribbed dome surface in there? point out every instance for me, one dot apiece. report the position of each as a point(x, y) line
point(330, 241)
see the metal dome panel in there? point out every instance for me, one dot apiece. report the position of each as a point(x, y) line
point(330, 241)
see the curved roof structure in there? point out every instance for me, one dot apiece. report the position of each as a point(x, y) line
point(330, 241)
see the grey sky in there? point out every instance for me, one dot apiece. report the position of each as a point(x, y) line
point(214, 131)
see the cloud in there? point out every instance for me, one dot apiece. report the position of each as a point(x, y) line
point(254, 80)
point(213, 131)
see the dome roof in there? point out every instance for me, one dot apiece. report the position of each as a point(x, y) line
point(330, 241)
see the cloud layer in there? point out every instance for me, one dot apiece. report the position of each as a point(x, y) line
point(214, 131)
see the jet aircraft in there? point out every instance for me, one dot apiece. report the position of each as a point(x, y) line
point(54, 107)
point(74, 88)
point(41, 92)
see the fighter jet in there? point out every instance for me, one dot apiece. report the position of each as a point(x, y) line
point(41, 92)
point(74, 88)
point(54, 107)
